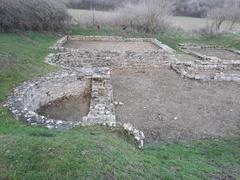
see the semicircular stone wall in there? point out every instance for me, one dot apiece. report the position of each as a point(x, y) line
point(31, 95)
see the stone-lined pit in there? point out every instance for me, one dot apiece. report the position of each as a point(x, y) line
point(51, 100)
point(68, 108)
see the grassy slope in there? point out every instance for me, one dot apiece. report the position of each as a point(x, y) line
point(92, 153)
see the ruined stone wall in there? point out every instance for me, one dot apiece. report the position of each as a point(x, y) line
point(111, 59)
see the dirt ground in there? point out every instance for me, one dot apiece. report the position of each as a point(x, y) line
point(71, 108)
point(112, 45)
point(220, 53)
point(166, 107)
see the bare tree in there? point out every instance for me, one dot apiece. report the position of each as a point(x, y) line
point(217, 16)
point(229, 12)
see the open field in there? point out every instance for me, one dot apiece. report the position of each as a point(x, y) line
point(29, 152)
point(185, 23)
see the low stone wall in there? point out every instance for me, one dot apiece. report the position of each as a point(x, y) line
point(207, 68)
point(208, 72)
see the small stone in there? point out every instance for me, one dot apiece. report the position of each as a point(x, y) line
point(137, 138)
point(118, 103)
point(84, 152)
point(59, 122)
point(136, 132)
point(121, 103)
point(128, 127)
point(140, 144)
point(142, 135)
point(50, 127)
point(107, 112)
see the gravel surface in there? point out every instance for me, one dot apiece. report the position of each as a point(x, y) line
point(112, 45)
point(167, 107)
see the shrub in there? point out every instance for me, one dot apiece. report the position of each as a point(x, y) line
point(34, 15)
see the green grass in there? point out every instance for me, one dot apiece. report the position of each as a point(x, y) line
point(28, 152)
point(21, 58)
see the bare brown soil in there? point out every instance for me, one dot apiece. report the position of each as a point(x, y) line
point(112, 45)
point(168, 107)
point(220, 53)
point(71, 108)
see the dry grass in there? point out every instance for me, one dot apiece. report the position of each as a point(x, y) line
point(147, 16)
point(185, 23)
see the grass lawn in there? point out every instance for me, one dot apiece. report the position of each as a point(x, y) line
point(28, 152)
